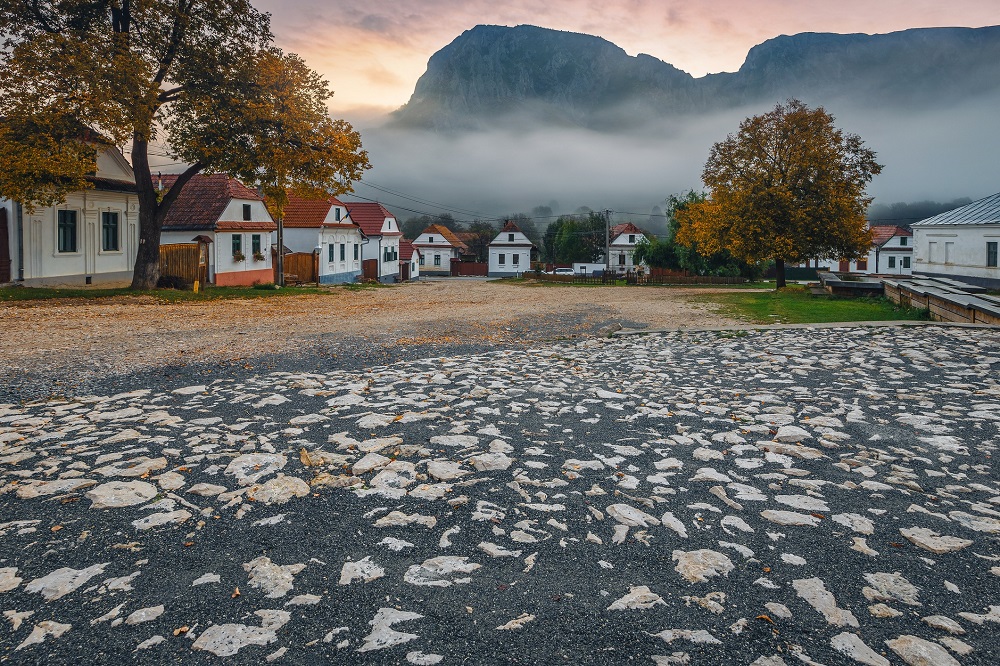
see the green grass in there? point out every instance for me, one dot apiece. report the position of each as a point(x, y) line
point(795, 305)
point(27, 294)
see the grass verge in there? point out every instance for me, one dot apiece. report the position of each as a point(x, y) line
point(795, 305)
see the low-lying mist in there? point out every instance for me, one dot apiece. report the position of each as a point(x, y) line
point(944, 154)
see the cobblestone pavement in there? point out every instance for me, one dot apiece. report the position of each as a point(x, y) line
point(807, 496)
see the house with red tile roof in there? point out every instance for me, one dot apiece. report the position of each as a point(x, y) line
point(891, 253)
point(623, 240)
point(232, 218)
point(410, 261)
point(90, 238)
point(510, 252)
point(324, 226)
point(382, 230)
point(439, 245)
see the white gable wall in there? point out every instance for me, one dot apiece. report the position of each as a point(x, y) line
point(958, 250)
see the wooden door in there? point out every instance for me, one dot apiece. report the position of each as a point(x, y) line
point(369, 268)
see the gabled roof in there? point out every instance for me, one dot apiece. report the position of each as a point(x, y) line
point(626, 228)
point(203, 201)
point(406, 250)
point(510, 226)
point(984, 211)
point(303, 213)
point(883, 234)
point(370, 217)
point(447, 234)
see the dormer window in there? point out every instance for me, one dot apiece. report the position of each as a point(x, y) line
point(336, 214)
point(510, 238)
point(631, 239)
point(430, 239)
point(902, 241)
point(247, 214)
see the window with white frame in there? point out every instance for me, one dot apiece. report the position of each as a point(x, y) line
point(510, 238)
point(437, 259)
point(892, 262)
point(343, 251)
point(515, 259)
point(421, 260)
point(247, 212)
point(336, 213)
point(903, 241)
point(356, 252)
point(237, 245)
point(631, 239)
point(991, 254)
point(110, 239)
point(330, 253)
point(255, 245)
point(906, 262)
point(66, 231)
point(430, 239)
point(501, 259)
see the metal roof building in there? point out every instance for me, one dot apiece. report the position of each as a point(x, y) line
point(984, 211)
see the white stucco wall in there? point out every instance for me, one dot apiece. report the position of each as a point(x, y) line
point(509, 267)
point(234, 211)
point(958, 250)
point(374, 250)
point(44, 264)
point(350, 239)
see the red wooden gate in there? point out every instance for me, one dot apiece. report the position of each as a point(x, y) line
point(369, 269)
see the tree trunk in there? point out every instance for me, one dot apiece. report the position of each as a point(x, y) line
point(779, 273)
point(147, 259)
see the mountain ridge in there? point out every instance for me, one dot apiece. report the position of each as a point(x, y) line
point(492, 73)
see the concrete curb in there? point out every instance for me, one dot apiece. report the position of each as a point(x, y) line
point(834, 324)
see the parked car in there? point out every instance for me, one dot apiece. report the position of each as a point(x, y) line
point(563, 271)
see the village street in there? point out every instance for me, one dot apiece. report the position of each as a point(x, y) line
point(800, 496)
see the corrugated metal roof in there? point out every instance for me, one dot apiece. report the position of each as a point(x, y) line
point(984, 211)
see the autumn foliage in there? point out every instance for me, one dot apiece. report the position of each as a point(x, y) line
point(788, 187)
point(198, 82)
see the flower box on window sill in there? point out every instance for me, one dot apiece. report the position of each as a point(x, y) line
point(239, 256)
point(258, 256)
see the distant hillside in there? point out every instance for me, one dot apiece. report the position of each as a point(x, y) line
point(491, 72)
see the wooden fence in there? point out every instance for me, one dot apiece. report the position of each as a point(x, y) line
point(300, 267)
point(184, 262)
point(468, 268)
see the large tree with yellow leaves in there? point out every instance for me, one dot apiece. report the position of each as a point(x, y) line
point(789, 186)
point(199, 79)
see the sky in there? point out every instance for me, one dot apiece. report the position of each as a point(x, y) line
point(373, 51)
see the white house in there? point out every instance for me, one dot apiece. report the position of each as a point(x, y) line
point(438, 245)
point(382, 230)
point(961, 243)
point(91, 238)
point(410, 261)
point(231, 217)
point(323, 225)
point(891, 253)
point(624, 238)
point(510, 252)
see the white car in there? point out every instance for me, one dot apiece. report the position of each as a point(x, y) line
point(564, 271)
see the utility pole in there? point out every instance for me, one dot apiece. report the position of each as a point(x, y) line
point(607, 242)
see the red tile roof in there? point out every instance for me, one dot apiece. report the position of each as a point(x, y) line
point(445, 233)
point(406, 250)
point(626, 228)
point(301, 213)
point(510, 226)
point(883, 234)
point(203, 201)
point(370, 217)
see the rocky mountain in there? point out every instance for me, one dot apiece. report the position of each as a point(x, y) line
point(493, 74)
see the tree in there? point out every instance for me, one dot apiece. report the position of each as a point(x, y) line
point(575, 238)
point(788, 186)
point(484, 233)
point(198, 77)
point(415, 226)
